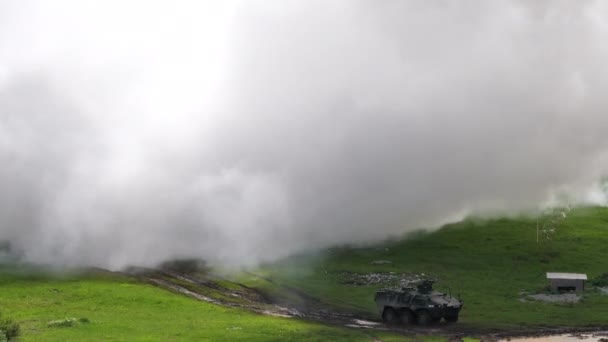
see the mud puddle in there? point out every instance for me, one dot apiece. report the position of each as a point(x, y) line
point(601, 336)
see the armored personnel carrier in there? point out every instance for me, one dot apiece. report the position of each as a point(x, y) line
point(420, 304)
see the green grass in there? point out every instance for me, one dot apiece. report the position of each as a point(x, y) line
point(488, 262)
point(122, 309)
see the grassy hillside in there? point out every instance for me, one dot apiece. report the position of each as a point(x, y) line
point(121, 309)
point(489, 262)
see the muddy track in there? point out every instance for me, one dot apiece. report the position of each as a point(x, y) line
point(315, 310)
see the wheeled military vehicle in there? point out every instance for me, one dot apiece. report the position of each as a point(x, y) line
point(420, 304)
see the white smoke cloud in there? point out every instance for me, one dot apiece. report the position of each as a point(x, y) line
point(240, 132)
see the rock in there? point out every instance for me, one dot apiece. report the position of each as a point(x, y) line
point(381, 262)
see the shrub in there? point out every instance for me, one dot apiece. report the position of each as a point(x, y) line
point(9, 329)
point(187, 266)
point(601, 280)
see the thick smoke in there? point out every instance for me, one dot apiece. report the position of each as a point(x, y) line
point(135, 131)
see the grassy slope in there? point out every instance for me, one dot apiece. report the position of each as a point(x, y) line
point(488, 262)
point(122, 309)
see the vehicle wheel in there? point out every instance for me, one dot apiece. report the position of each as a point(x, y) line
point(407, 317)
point(424, 318)
point(390, 316)
point(451, 319)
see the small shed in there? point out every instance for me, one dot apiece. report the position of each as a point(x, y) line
point(567, 281)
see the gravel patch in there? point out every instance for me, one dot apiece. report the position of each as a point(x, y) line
point(556, 298)
point(387, 279)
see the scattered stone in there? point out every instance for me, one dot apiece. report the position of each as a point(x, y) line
point(604, 290)
point(556, 298)
point(63, 323)
point(390, 279)
point(361, 323)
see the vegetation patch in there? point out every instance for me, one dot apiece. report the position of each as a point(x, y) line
point(9, 329)
point(601, 280)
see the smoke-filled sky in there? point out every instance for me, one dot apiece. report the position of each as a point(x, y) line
point(240, 132)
